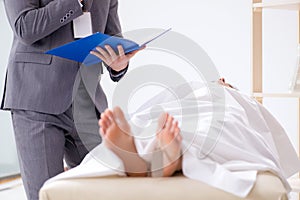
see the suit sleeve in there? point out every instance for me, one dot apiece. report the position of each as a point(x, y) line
point(113, 27)
point(31, 22)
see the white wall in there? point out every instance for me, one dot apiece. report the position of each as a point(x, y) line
point(219, 27)
point(8, 155)
point(280, 38)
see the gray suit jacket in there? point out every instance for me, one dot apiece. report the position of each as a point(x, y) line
point(39, 82)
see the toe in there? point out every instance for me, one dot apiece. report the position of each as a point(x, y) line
point(109, 116)
point(102, 132)
point(104, 121)
point(103, 126)
point(178, 135)
point(162, 121)
point(173, 127)
point(118, 114)
point(121, 120)
point(169, 123)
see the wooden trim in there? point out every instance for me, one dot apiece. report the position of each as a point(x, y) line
point(259, 99)
point(10, 178)
point(276, 95)
point(298, 27)
point(256, 50)
point(278, 4)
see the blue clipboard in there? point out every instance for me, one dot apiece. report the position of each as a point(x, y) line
point(79, 50)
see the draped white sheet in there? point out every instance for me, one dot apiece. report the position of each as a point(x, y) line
point(244, 139)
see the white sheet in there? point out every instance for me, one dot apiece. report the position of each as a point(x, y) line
point(249, 139)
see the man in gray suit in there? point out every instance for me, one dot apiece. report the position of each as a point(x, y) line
point(38, 89)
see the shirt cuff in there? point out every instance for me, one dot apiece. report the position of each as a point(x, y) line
point(119, 74)
point(80, 3)
point(114, 73)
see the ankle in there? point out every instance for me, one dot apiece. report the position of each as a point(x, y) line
point(171, 168)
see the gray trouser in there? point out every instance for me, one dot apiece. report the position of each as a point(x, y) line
point(43, 140)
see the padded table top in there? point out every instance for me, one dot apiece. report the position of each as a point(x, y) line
point(267, 187)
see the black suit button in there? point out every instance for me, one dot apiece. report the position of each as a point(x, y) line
point(71, 12)
point(62, 20)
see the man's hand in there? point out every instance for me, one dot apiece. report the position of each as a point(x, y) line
point(116, 61)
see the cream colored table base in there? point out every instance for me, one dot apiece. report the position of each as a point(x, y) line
point(267, 187)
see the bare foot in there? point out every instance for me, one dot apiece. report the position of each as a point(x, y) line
point(116, 135)
point(169, 140)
